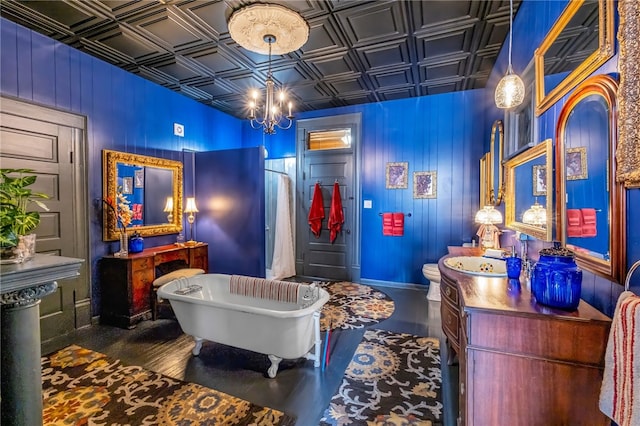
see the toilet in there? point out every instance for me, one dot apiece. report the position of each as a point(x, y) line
point(432, 273)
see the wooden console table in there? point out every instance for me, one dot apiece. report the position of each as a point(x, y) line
point(126, 282)
point(521, 363)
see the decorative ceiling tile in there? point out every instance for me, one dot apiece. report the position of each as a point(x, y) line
point(357, 51)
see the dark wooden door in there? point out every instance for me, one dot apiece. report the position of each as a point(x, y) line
point(318, 257)
point(49, 148)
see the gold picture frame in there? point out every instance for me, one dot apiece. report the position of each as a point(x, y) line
point(397, 175)
point(425, 184)
point(576, 163)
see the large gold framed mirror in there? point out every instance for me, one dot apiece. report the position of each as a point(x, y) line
point(580, 41)
point(491, 174)
point(151, 186)
point(591, 220)
point(529, 186)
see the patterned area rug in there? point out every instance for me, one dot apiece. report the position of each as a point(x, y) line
point(354, 306)
point(82, 387)
point(392, 379)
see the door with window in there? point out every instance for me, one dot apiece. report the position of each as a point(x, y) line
point(52, 146)
point(327, 153)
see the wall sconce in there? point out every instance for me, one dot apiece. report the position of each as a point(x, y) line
point(168, 208)
point(191, 209)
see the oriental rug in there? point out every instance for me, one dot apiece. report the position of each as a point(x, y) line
point(392, 379)
point(81, 387)
point(353, 306)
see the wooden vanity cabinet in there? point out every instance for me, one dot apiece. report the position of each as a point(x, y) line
point(522, 363)
point(125, 282)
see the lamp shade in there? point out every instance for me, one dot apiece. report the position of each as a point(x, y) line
point(168, 207)
point(536, 215)
point(488, 216)
point(191, 206)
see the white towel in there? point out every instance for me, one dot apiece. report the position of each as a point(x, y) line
point(620, 392)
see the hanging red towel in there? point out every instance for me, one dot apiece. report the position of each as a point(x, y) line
point(589, 227)
point(398, 224)
point(387, 224)
point(316, 212)
point(336, 215)
point(574, 223)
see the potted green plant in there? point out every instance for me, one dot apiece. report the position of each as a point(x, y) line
point(17, 242)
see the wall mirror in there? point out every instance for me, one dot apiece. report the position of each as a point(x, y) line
point(495, 184)
point(520, 123)
point(153, 187)
point(591, 204)
point(528, 182)
point(485, 170)
point(579, 42)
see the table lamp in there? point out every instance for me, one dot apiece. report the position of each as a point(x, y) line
point(191, 209)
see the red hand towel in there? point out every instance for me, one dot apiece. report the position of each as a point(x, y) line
point(398, 224)
point(336, 215)
point(574, 223)
point(589, 227)
point(316, 212)
point(387, 224)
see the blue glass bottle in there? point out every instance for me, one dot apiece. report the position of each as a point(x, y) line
point(136, 243)
point(514, 265)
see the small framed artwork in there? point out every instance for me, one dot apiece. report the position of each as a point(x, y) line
point(424, 185)
point(397, 175)
point(139, 178)
point(127, 185)
point(576, 163)
point(539, 181)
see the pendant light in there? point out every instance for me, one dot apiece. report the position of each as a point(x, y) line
point(510, 90)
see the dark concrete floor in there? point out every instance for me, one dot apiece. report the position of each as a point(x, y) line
point(299, 389)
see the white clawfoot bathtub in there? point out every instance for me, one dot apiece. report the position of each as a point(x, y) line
point(207, 310)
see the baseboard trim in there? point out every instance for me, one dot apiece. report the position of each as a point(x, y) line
point(379, 283)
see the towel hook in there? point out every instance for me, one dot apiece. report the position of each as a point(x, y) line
point(627, 280)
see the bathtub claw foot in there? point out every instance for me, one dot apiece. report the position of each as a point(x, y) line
point(275, 362)
point(196, 349)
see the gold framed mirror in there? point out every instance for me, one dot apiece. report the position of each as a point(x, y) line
point(494, 192)
point(591, 220)
point(529, 183)
point(485, 170)
point(151, 186)
point(580, 41)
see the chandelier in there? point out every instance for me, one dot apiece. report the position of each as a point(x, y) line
point(272, 29)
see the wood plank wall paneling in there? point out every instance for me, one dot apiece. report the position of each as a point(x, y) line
point(443, 133)
point(124, 112)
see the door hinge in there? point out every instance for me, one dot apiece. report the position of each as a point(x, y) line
point(71, 157)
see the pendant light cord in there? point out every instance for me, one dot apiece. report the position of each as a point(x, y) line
point(509, 69)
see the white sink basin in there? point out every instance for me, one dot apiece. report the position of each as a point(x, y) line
point(477, 265)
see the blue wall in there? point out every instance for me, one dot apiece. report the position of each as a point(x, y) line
point(532, 22)
point(124, 113)
point(445, 133)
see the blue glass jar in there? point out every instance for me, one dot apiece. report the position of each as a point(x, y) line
point(136, 243)
point(514, 265)
point(556, 280)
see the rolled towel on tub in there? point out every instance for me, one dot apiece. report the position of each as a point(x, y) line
point(282, 291)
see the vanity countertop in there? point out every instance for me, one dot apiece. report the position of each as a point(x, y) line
point(495, 294)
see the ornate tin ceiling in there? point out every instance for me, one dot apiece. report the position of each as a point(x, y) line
point(358, 51)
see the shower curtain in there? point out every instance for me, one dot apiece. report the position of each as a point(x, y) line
point(283, 265)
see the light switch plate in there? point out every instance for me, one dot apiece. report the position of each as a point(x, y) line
point(178, 129)
point(367, 204)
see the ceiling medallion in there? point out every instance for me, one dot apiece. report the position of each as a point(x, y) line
point(269, 29)
point(249, 25)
